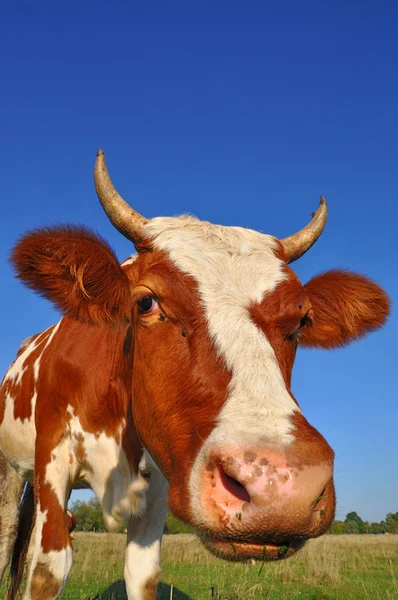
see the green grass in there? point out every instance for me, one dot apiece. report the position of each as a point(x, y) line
point(331, 568)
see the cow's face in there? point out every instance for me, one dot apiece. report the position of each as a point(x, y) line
point(214, 316)
point(217, 316)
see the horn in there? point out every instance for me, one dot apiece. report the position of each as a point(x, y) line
point(126, 220)
point(297, 244)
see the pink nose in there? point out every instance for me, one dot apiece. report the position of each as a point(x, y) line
point(260, 496)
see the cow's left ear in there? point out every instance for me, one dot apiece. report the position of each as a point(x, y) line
point(77, 271)
point(345, 306)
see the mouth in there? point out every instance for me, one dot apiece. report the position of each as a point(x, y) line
point(243, 550)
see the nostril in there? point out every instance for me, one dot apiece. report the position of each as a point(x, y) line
point(233, 486)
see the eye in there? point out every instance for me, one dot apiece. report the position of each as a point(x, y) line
point(147, 305)
point(294, 335)
point(305, 321)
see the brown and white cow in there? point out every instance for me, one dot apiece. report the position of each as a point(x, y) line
point(168, 381)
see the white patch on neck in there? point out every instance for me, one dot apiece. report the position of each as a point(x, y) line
point(107, 471)
point(234, 269)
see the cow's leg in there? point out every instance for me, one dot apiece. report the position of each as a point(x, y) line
point(11, 486)
point(144, 534)
point(51, 549)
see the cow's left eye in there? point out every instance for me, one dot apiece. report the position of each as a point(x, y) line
point(147, 305)
point(294, 335)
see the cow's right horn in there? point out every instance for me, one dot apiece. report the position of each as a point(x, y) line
point(297, 244)
point(126, 220)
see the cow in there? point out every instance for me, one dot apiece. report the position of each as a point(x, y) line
point(167, 383)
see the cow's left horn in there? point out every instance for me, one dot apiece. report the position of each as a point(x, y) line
point(126, 220)
point(297, 244)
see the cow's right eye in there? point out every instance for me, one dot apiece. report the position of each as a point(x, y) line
point(147, 304)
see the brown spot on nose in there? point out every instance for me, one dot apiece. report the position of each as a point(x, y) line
point(264, 462)
point(249, 456)
point(258, 471)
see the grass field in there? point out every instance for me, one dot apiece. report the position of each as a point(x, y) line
point(330, 568)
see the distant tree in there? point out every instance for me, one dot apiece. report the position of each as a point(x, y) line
point(353, 516)
point(353, 523)
point(337, 528)
point(88, 515)
point(351, 527)
point(377, 527)
point(89, 518)
point(392, 522)
point(367, 527)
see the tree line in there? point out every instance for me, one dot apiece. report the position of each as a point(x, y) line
point(89, 518)
point(354, 524)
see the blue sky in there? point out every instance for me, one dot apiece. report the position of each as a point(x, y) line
point(240, 113)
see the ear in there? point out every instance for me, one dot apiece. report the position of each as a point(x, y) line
point(346, 306)
point(77, 271)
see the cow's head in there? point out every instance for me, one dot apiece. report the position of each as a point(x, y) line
point(214, 316)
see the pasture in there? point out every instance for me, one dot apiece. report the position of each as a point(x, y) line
point(329, 568)
point(345, 567)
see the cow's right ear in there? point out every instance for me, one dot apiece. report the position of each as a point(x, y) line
point(77, 271)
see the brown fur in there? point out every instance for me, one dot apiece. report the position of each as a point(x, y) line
point(75, 269)
point(346, 306)
point(44, 584)
point(26, 387)
point(278, 315)
point(149, 589)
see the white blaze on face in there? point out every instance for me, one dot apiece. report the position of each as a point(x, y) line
point(234, 269)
